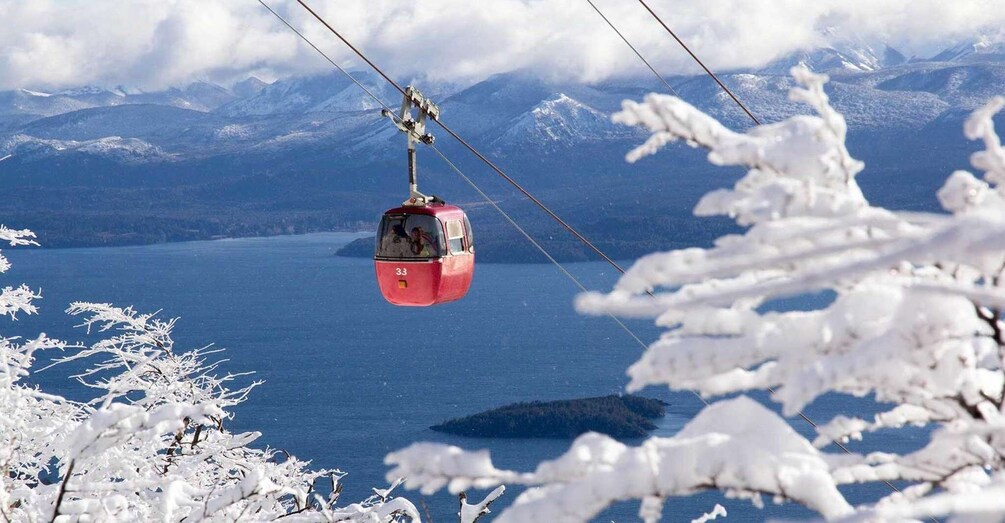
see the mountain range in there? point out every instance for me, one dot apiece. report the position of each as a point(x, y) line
point(98, 166)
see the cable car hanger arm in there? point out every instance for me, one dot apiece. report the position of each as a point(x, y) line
point(415, 131)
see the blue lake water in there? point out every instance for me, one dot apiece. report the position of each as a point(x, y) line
point(349, 377)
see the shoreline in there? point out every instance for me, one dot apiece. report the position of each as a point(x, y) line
point(358, 234)
point(355, 236)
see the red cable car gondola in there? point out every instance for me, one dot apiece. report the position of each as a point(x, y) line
point(424, 253)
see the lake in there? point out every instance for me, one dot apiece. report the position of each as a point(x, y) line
point(349, 378)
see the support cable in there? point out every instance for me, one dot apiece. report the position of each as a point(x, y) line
point(702, 64)
point(636, 51)
point(541, 248)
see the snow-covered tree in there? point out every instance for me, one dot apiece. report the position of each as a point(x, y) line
point(152, 445)
point(915, 322)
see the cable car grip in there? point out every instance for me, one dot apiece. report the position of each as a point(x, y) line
point(415, 131)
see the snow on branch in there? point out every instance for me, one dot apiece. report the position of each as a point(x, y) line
point(797, 167)
point(15, 238)
point(717, 510)
point(980, 126)
point(984, 503)
point(17, 299)
point(152, 446)
point(471, 513)
point(894, 276)
point(735, 445)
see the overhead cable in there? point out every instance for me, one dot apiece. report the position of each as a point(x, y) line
point(702, 64)
point(636, 51)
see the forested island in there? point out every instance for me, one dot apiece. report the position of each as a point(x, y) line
point(616, 416)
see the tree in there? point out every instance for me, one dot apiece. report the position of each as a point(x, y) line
point(915, 321)
point(152, 444)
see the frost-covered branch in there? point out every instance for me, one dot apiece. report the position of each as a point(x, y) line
point(152, 445)
point(717, 510)
point(471, 513)
point(15, 238)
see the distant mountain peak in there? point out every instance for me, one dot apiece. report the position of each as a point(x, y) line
point(124, 90)
point(124, 150)
point(982, 47)
point(85, 91)
point(250, 86)
point(839, 51)
point(559, 119)
point(559, 103)
point(852, 56)
point(331, 92)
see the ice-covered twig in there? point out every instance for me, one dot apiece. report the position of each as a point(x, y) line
point(471, 513)
point(151, 446)
point(717, 510)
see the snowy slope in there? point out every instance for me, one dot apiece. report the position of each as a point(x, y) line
point(248, 87)
point(165, 125)
point(25, 101)
point(843, 53)
point(961, 85)
point(841, 57)
point(982, 48)
point(129, 151)
point(324, 93)
point(487, 107)
point(199, 96)
point(559, 120)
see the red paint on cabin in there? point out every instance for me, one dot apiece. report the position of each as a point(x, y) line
point(424, 255)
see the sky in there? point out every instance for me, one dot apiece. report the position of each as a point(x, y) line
point(155, 44)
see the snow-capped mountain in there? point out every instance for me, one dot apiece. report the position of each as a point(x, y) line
point(959, 84)
point(842, 53)
point(199, 96)
point(513, 111)
point(128, 151)
point(556, 121)
point(330, 93)
point(296, 120)
point(845, 57)
point(37, 104)
point(981, 49)
point(248, 87)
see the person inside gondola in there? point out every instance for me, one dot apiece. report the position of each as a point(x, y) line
point(423, 244)
point(396, 243)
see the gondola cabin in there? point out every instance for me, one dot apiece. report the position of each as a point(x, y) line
point(424, 254)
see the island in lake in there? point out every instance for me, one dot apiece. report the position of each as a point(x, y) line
point(616, 416)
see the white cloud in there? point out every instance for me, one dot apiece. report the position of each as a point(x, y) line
point(153, 44)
